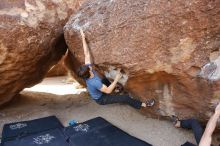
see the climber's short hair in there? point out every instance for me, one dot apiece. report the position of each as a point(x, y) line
point(83, 72)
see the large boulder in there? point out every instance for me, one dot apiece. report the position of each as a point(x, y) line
point(31, 41)
point(162, 46)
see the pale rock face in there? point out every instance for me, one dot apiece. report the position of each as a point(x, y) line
point(162, 47)
point(211, 70)
point(31, 41)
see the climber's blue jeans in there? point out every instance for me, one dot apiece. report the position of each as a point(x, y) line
point(196, 127)
point(109, 99)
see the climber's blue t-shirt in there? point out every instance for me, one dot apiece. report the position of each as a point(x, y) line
point(94, 85)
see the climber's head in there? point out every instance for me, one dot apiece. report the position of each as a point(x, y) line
point(84, 72)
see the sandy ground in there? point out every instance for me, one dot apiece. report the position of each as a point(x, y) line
point(67, 103)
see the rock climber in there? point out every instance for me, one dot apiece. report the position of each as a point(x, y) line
point(100, 89)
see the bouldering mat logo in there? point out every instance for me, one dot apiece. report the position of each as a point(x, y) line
point(18, 126)
point(81, 128)
point(43, 139)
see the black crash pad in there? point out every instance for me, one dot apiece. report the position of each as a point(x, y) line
point(18, 130)
point(99, 132)
point(53, 137)
point(50, 132)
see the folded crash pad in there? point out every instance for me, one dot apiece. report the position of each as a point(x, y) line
point(99, 132)
point(18, 130)
point(53, 137)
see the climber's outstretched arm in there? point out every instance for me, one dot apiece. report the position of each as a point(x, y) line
point(88, 58)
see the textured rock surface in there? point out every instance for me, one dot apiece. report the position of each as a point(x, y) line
point(162, 47)
point(58, 70)
point(31, 41)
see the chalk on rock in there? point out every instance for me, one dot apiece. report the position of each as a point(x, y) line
point(211, 70)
